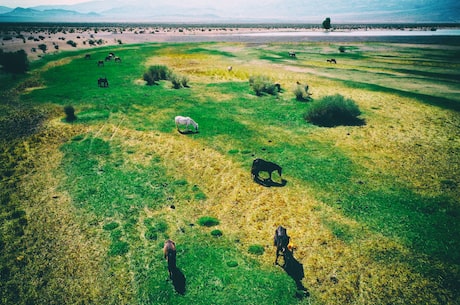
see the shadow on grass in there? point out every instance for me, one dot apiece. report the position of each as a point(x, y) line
point(178, 281)
point(269, 183)
point(295, 270)
point(187, 131)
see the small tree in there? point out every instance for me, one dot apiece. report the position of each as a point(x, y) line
point(15, 62)
point(327, 23)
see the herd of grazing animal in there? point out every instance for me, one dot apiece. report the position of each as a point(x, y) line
point(280, 240)
point(102, 81)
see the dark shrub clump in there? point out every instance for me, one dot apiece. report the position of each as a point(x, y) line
point(70, 114)
point(333, 110)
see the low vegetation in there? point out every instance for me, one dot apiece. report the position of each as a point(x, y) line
point(335, 110)
point(372, 209)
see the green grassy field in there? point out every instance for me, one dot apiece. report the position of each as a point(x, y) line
point(372, 210)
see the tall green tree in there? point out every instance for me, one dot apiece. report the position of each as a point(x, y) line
point(327, 23)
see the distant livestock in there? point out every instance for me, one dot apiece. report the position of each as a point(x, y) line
point(169, 252)
point(117, 59)
point(229, 68)
point(102, 82)
point(332, 61)
point(100, 63)
point(292, 54)
point(281, 242)
point(88, 56)
point(187, 121)
point(260, 165)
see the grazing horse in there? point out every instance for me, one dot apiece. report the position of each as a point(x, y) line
point(281, 241)
point(169, 251)
point(100, 63)
point(260, 165)
point(108, 58)
point(332, 61)
point(102, 82)
point(291, 54)
point(117, 59)
point(187, 121)
point(88, 56)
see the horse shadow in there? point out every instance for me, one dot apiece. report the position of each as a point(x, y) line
point(187, 131)
point(295, 270)
point(269, 182)
point(178, 281)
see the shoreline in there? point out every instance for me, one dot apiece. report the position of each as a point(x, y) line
point(38, 40)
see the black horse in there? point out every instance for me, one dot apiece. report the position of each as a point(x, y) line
point(281, 242)
point(260, 165)
point(103, 82)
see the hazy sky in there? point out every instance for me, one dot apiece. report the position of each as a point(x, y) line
point(31, 3)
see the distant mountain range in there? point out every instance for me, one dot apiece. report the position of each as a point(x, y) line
point(351, 11)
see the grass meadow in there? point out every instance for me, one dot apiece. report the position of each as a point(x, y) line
point(372, 210)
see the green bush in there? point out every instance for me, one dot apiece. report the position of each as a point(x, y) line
point(208, 221)
point(156, 73)
point(175, 80)
point(256, 249)
point(110, 226)
point(216, 233)
point(332, 111)
point(70, 114)
point(262, 85)
point(14, 62)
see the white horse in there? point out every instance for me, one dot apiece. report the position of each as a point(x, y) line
point(187, 121)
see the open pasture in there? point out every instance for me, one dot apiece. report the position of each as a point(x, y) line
point(372, 210)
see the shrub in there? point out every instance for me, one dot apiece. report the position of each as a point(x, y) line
point(208, 221)
point(332, 111)
point(110, 226)
point(14, 62)
point(156, 73)
point(43, 47)
point(176, 81)
point(216, 233)
point(262, 85)
point(256, 249)
point(70, 114)
point(72, 43)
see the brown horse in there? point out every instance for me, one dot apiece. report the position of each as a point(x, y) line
point(169, 251)
point(281, 241)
